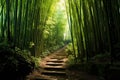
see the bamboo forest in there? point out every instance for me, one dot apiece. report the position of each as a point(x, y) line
point(59, 39)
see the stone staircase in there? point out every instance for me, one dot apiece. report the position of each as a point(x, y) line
point(53, 67)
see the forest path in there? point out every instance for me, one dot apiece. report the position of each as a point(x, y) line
point(55, 67)
point(52, 67)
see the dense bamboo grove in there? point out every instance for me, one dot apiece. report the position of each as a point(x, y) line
point(34, 28)
point(23, 23)
point(94, 27)
point(29, 30)
point(36, 25)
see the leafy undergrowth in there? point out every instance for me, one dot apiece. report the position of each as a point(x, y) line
point(15, 63)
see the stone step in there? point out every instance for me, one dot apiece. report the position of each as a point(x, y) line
point(63, 55)
point(47, 66)
point(56, 61)
point(53, 59)
point(54, 64)
point(55, 68)
point(58, 57)
point(54, 73)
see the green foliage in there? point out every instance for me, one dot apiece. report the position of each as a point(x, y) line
point(15, 63)
point(71, 60)
point(31, 44)
point(70, 54)
point(69, 49)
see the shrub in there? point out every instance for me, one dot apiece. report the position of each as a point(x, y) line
point(15, 63)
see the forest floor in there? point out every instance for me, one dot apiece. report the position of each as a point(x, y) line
point(55, 67)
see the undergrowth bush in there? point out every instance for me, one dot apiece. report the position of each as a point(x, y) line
point(15, 63)
point(102, 57)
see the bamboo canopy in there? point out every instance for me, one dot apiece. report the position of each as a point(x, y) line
point(93, 24)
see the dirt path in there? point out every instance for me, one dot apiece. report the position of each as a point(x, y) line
point(54, 67)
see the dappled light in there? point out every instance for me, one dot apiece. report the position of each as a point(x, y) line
point(60, 39)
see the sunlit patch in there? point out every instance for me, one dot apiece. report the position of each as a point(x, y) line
point(62, 4)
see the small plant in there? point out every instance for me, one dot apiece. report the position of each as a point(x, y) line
point(69, 49)
point(71, 60)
